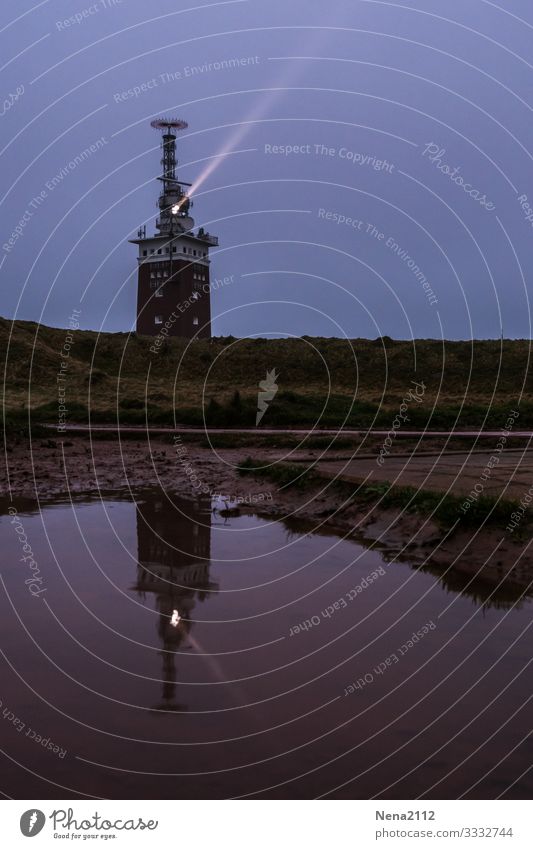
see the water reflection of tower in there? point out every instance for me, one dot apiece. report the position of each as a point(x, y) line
point(174, 547)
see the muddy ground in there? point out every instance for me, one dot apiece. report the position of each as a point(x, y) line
point(47, 468)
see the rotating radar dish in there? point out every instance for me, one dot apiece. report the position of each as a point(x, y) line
point(168, 124)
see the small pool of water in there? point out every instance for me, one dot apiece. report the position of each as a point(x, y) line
point(155, 649)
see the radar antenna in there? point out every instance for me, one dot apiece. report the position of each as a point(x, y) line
point(174, 202)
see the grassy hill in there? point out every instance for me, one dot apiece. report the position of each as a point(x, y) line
point(358, 382)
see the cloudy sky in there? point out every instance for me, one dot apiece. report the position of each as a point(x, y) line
point(367, 165)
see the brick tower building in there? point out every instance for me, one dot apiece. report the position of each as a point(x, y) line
point(173, 290)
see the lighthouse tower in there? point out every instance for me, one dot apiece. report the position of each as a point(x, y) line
point(173, 291)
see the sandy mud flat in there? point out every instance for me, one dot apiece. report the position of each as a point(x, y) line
point(44, 469)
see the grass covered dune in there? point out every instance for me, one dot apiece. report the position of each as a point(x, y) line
point(332, 382)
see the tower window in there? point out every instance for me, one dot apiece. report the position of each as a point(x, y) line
point(159, 251)
point(174, 249)
point(159, 292)
point(152, 251)
point(184, 250)
point(158, 319)
point(145, 253)
point(195, 321)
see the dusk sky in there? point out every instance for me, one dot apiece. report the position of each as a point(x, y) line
point(367, 165)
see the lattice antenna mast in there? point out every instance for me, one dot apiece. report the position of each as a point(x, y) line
point(174, 202)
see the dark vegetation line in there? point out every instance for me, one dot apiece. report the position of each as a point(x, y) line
point(289, 410)
point(444, 508)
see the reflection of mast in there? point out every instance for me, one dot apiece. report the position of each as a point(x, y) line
point(174, 543)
